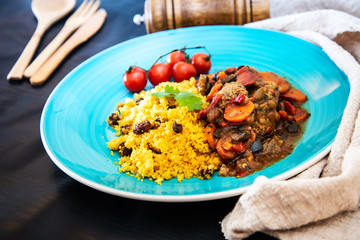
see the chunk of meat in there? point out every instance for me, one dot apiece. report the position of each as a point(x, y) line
point(203, 84)
point(272, 147)
point(214, 114)
point(266, 116)
point(229, 91)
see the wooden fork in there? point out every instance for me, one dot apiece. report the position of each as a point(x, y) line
point(84, 12)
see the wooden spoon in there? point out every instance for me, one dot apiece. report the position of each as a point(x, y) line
point(47, 13)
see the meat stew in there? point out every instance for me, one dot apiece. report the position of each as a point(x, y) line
point(254, 118)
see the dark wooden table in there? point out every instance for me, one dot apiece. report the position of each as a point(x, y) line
point(37, 200)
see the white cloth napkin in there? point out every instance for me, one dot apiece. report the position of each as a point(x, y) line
point(323, 201)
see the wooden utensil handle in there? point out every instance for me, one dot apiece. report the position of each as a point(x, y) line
point(52, 63)
point(46, 53)
point(16, 73)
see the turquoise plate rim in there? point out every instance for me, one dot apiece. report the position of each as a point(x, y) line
point(170, 197)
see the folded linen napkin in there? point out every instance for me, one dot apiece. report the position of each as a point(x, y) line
point(323, 201)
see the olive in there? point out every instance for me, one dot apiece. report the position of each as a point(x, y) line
point(256, 146)
point(292, 128)
point(282, 135)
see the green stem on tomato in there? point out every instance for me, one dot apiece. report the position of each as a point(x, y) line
point(187, 58)
point(130, 69)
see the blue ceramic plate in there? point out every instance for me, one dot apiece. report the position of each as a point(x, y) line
point(74, 131)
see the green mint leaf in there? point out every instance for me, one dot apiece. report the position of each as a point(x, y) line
point(171, 90)
point(162, 94)
point(189, 99)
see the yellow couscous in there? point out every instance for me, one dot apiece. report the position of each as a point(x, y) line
point(159, 151)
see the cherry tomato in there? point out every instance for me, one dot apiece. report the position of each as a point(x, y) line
point(160, 72)
point(135, 79)
point(202, 62)
point(183, 71)
point(175, 57)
